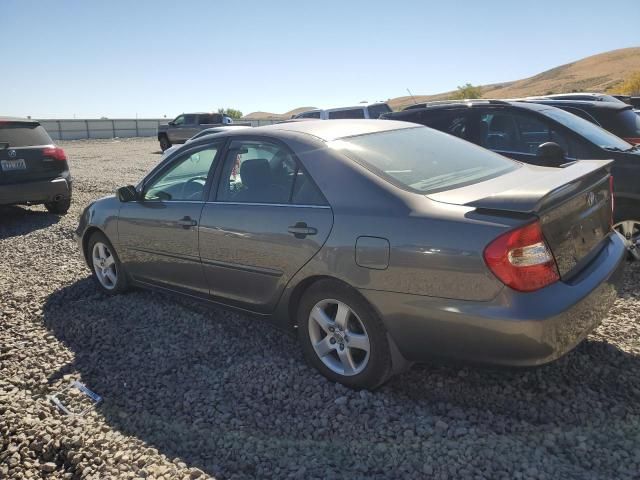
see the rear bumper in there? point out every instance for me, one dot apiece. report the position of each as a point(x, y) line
point(35, 192)
point(519, 329)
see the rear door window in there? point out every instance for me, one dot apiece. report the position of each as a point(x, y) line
point(257, 172)
point(582, 114)
point(518, 132)
point(378, 109)
point(189, 119)
point(21, 134)
point(343, 114)
point(453, 122)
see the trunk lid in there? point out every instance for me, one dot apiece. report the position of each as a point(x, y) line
point(22, 156)
point(573, 204)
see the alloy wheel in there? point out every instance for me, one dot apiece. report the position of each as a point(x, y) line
point(339, 337)
point(630, 230)
point(104, 266)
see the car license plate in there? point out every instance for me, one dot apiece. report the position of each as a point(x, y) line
point(10, 165)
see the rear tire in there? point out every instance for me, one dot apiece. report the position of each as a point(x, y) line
point(105, 265)
point(164, 143)
point(630, 230)
point(60, 207)
point(342, 336)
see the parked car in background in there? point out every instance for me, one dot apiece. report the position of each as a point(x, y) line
point(33, 170)
point(368, 110)
point(617, 117)
point(590, 97)
point(186, 125)
point(207, 131)
point(540, 134)
point(381, 243)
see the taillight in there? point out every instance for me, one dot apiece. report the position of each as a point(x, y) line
point(521, 259)
point(613, 200)
point(54, 152)
point(632, 140)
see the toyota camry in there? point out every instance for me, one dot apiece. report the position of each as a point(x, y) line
point(380, 243)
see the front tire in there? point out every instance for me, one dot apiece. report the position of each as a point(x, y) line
point(105, 265)
point(60, 207)
point(164, 143)
point(342, 336)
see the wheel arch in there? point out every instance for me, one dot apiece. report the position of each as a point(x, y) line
point(398, 362)
point(88, 233)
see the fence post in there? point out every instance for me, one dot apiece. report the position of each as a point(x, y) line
point(113, 127)
point(86, 124)
point(59, 130)
point(137, 132)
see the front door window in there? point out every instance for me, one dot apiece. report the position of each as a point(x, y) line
point(185, 179)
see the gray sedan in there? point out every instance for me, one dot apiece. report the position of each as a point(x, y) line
point(381, 243)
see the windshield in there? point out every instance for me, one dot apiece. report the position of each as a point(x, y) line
point(423, 160)
point(588, 130)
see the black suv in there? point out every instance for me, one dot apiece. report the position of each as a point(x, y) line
point(33, 170)
point(617, 117)
point(541, 135)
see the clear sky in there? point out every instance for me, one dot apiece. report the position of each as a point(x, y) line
point(118, 58)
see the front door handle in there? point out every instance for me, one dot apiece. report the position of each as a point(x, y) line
point(301, 230)
point(187, 222)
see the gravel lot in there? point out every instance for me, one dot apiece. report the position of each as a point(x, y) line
point(192, 391)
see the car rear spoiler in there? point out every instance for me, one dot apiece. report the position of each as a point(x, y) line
point(552, 188)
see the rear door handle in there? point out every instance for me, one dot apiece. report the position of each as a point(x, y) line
point(187, 222)
point(301, 230)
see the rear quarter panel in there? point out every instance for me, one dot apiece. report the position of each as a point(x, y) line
point(435, 249)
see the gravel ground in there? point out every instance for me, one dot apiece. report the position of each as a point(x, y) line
point(192, 391)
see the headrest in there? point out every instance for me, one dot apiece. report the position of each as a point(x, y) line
point(255, 172)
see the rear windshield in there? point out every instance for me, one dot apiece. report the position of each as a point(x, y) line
point(376, 110)
point(593, 133)
point(346, 114)
point(20, 134)
point(424, 160)
point(624, 123)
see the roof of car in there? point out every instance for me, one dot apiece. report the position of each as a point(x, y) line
point(597, 104)
point(329, 130)
point(360, 105)
point(444, 105)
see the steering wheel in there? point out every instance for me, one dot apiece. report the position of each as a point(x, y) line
point(193, 188)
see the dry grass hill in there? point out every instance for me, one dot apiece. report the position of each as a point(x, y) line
point(597, 73)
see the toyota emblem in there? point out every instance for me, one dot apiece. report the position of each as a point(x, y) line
point(12, 153)
point(591, 199)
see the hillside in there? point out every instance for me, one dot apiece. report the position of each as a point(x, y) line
point(275, 116)
point(596, 73)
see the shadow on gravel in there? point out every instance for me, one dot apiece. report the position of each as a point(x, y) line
point(231, 395)
point(16, 221)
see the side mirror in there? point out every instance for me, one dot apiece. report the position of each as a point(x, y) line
point(127, 194)
point(172, 123)
point(550, 154)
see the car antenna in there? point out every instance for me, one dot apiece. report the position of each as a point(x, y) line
point(414, 98)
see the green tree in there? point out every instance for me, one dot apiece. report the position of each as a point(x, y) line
point(467, 91)
point(231, 112)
